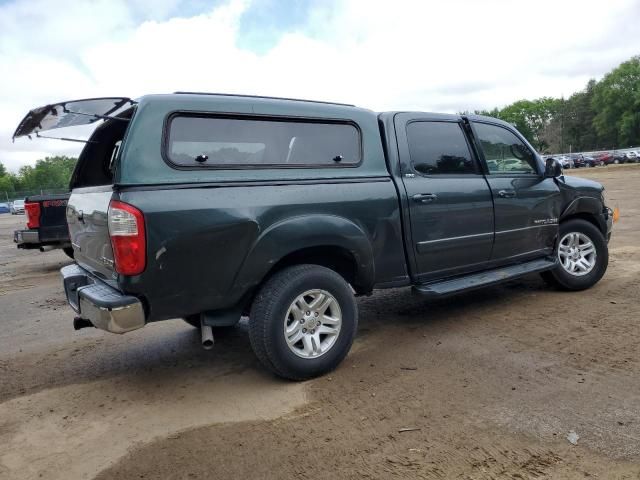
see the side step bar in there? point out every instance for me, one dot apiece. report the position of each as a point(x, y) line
point(483, 279)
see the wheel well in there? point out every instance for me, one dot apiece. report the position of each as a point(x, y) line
point(337, 259)
point(584, 216)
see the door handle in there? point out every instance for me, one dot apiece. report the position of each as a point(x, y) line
point(424, 197)
point(507, 193)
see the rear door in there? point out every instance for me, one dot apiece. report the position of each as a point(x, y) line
point(450, 205)
point(527, 205)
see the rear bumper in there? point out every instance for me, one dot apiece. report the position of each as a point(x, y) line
point(105, 307)
point(31, 239)
point(26, 237)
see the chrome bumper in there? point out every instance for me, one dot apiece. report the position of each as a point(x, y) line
point(105, 307)
point(26, 236)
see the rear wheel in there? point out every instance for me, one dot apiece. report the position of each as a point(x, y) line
point(303, 322)
point(582, 254)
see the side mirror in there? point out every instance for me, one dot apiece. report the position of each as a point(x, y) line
point(553, 168)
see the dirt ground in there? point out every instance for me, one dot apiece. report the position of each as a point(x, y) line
point(489, 384)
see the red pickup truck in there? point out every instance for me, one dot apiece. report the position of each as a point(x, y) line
point(46, 224)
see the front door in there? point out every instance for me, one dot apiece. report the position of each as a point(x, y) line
point(450, 205)
point(527, 205)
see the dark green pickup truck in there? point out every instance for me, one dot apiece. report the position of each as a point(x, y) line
point(209, 207)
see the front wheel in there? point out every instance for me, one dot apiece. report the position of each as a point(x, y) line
point(582, 254)
point(303, 322)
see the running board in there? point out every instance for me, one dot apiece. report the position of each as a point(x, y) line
point(483, 279)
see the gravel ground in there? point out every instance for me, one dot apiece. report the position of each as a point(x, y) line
point(488, 384)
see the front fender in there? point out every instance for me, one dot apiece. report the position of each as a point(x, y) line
point(586, 205)
point(298, 233)
point(589, 205)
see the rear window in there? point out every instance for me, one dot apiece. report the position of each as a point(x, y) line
point(197, 141)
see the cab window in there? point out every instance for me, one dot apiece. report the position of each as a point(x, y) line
point(504, 152)
point(439, 148)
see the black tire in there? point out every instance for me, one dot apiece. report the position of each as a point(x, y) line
point(564, 280)
point(68, 251)
point(270, 307)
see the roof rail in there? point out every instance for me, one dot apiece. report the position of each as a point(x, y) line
point(263, 96)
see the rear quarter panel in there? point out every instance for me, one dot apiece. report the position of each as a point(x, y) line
point(212, 233)
point(207, 246)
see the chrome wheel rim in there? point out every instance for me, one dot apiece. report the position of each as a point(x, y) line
point(577, 254)
point(312, 324)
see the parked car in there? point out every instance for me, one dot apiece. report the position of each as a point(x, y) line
point(17, 207)
point(619, 157)
point(633, 156)
point(566, 161)
point(4, 208)
point(46, 224)
point(215, 206)
point(590, 161)
point(578, 160)
point(604, 158)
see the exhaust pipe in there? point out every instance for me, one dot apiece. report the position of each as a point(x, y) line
point(46, 248)
point(79, 323)
point(207, 336)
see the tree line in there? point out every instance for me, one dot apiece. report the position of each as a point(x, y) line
point(605, 115)
point(50, 173)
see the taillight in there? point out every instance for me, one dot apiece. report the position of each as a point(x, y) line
point(33, 214)
point(126, 229)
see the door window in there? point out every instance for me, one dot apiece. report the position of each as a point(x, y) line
point(504, 152)
point(439, 148)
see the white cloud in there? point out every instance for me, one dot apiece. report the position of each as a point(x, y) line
point(442, 56)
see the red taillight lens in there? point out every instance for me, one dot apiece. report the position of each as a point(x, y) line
point(33, 214)
point(126, 229)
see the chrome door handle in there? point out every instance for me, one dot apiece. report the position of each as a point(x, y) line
point(424, 197)
point(507, 193)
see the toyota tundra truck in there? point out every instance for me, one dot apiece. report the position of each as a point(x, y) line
point(210, 207)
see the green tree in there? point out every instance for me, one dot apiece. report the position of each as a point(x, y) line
point(616, 101)
point(49, 173)
point(3, 170)
point(579, 126)
point(530, 117)
point(6, 185)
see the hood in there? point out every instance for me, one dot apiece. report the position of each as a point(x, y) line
point(583, 185)
point(69, 113)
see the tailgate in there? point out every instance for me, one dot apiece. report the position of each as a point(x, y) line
point(89, 231)
point(53, 222)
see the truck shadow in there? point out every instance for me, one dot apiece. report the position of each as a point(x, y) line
point(410, 309)
point(170, 349)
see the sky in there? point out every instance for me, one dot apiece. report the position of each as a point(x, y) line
point(432, 55)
